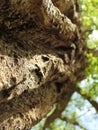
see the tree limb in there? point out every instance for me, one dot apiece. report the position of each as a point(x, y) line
point(58, 21)
point(94, 103)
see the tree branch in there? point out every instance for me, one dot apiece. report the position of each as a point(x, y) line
point(61, 104)
point(53, 17)
point(94, 104)
point(27, 109)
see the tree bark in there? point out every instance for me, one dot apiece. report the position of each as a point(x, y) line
point(42, 55)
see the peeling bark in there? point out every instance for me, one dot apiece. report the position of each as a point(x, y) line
point(42, 54)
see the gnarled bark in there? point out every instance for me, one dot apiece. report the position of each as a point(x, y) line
point(42, 55)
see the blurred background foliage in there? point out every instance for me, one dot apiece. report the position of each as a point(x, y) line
point(80, 114)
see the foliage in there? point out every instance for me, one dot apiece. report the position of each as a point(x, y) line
point(89, 14)
point(90, 84)
point(89, 17)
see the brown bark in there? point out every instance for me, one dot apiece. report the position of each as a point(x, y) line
point(42, 54)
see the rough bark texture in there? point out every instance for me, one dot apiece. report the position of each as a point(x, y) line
point(42, 55)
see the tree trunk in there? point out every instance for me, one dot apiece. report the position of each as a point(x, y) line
point(42, 55)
